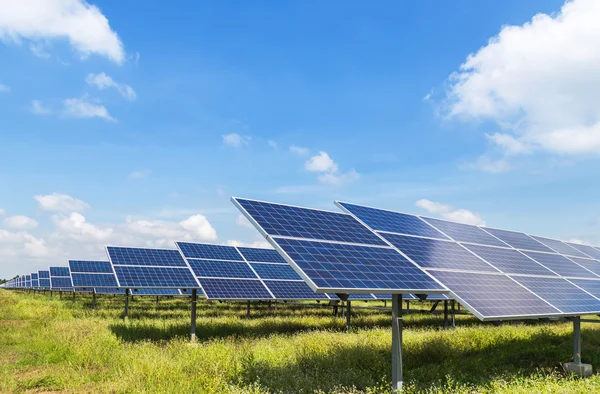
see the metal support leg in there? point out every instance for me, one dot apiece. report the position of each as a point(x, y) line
point(445, 313)
point(193, 326)
point(73, 299)
point(94, 299)
point(126, 314)
point(407, 305)
point(434, 306)
point(157, 298)
point(453, 315)
point(396, 342)
point(577, 340)
point(348, 315)
point(248, 309)
point(60, 295)
point(458, 306)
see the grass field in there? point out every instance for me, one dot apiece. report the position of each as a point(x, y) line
point(48, 345)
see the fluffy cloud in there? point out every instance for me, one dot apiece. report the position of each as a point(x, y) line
point(235, 140)
point(85, 27)
point(272, 144)
point(2, 212)
point(328, 170)
point(194, 228)
point(20, 222)
point(57, 202)
point(449, 213)
point(21, 244)
point(539, 82)
point(242, 221)
point(4, 88)
point(75, 226)
point(254, 244)
point(37, 108)
point(299, 150)
point(81, 108)
point(103, 81)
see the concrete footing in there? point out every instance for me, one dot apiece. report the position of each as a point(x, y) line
point(583, 370)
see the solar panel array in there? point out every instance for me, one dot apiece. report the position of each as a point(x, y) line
point(44, 279)
point(495, 273)
point(335, 253)
point(87, 275)
point(60, 279)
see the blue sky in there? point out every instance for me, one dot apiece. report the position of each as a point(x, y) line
point(133, 122)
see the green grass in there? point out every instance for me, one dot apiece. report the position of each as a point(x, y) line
point(48, 345)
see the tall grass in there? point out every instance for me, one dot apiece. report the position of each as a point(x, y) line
point(48, 345)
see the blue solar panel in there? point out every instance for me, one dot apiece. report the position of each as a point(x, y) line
point(244, 289)
point(332, 266)
point(560, 247)
point(83, 289)
point(393, 222)
point(45, 283)
point(591, 286)
point(288, 221)
point(156, 292)
point(209, 251)
point(588, 250)
point(494, 296)
point(561, 265)
point(59, 271)
point(90, 266)
point(44, 274)
point(146, 257)
point(591, 265)
point(429, 253)
point(93, 280)
point(261, 255)
point(292, 290)
point(155, 277)
point(464, 232)
point(34, 276)
point(110, 291)
point(509, 261)
point(221, 269)
point(60, 283)
point(518, 240)
point(275, 271)
point(562, 294)
point(363, 297)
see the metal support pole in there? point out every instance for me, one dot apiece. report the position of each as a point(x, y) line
point(458, 306)
point(73, 299)
point(60, 294)
point(434, 306)
point(50, 293)
point(407, 305)
point(577, 340)
point(348, 315)
point(193, 327)
point(126, 314)
point(453, 315)
point(157, 298)
point(445, 313)
point(94, 299)
point(248, 309)
point(396, 342)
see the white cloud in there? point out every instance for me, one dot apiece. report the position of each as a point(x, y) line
point(140, 174)
point(576, 241)
point(80, 108)
point(57, 202)
point(299, 150)
point(487, 164)
point(103, 81)
point(85, 27)
point(20, 222)
point(21, 244)
point(2, 212)
point(77, 227)
point(38, 108)
point(540, 82)
point(449, 213)
point(254, 244)
point(235, 140)
point(272, 144)
point(196, 227)
point(38, 50)
point(4, 88)
point(328, 170)
point(242, 221)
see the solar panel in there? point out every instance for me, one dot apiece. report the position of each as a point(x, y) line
point(275, 271)
point(491, 296)
point(288, 221)
point(592, 265)
point(589, 285)
point(92, 274)
point(44, 279)
point(509, 260)
point(342, 268)
point(562, 294)
point(60, 278)
point(588, 250)
point(429, 253)
point(209, 251)
point(103, 267)
point(156, 292)
point(244, 289)
point(392, 222)
point(27, 280)
point(221, 269)
point(150, 268)
point(34, 280)
point(104, 290)
point(292, 290)
point(518, 240)
point(44, 274)
point(464, 232)
point(261, 255)
point(561, 265)
point(560, 247)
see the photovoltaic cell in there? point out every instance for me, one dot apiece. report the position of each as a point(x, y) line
point(560, 247)
point(261, 255)
point(275, 271)
point(332, 266)
point(221, 269)
point(155, 277)
point(518, 240)
point(292, 290)
point(429, 253)
point(59, 271)
point(509, 261)
point(393, 222)
point(209, 251)
point(561, 265)
point(588, 250)
point(60, 283)
point(90, 266)
point(288, 221)
point(562, 294)
point(464, 232)
point(44, 274)
point(145, 257)
point(591, 286)
point(93, 280)
point(245, 289)
point(494, 296)
point(592, 265)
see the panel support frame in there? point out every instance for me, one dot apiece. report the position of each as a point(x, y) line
point(193, 315)
point(397, 326)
